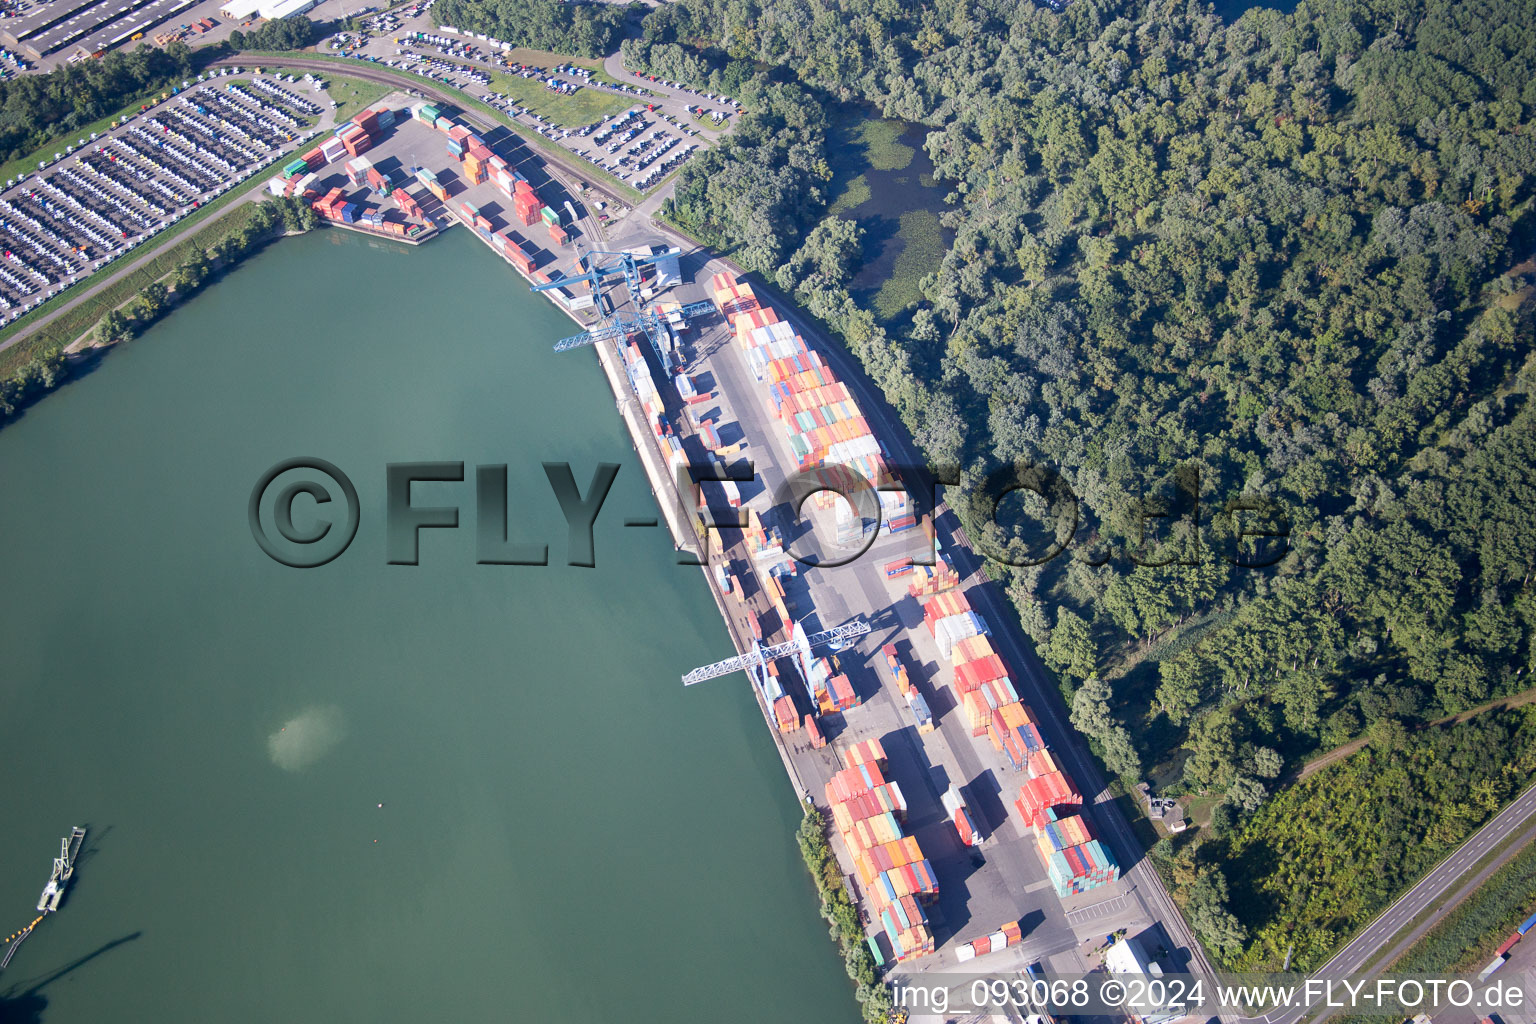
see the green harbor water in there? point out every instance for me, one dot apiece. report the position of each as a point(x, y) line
point(566, 833)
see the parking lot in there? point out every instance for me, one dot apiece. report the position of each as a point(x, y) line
point(670, 123)
point(121, 188)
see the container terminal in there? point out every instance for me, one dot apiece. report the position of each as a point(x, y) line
point(963, 814)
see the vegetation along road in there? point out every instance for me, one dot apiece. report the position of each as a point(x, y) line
point(1430, 890)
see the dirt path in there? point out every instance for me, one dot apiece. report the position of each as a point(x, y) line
point(1355, 746)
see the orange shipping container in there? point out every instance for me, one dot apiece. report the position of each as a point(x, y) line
point(978, 713)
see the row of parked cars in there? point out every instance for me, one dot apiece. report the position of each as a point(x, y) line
point(116, 190)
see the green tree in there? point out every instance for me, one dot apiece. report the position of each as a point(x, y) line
point(1071, 650)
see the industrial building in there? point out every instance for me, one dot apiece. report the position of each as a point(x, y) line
point(85, 27)
point(1127, 959)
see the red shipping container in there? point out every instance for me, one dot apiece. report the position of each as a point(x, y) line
point(963, 826)
point(557, 233)
point(1507, 945)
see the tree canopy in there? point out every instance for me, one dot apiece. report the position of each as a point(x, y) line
point(583, 29)
point(1264, 265)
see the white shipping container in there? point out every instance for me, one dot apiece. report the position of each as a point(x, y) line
point(964, 952)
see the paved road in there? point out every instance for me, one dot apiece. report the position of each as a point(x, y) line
point(614, 65)
point(1365, 947)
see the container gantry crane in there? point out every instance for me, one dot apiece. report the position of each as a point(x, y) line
point(837, 636)
point(620, 324)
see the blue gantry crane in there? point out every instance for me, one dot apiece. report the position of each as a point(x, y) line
point(598, 268)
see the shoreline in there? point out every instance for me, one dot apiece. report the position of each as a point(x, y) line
point(672, 505)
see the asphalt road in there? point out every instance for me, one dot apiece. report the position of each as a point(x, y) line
point(1364, 948)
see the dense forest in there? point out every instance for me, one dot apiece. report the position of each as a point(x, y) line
point(583, 29)
point(36, 109)
point(277, 34)
point(1324, 856)
point(1272, 256)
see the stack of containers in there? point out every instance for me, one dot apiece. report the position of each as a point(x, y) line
point(501, 178)
point(512, 251)
point(1048, 793)
point(477, 163)
point(557, 234)
point(959, 815)
point(426, 113)
point(377, 180)
point(435, 187)
point(1009, 934)
point(933, 579)
point(733, 297)
point(950, 619)
point(525, 201)
point(981, 679)
point(329, 205)
point(1014, 733)
point(1074, 858)
point(868, 811)
point(357, 171)
point(830, 691)
point(297, 165)
point(332, 150)
point(368, 121)
point(750, 321)
point(784, 712)
point(355, 140)
point(903, 681)
point(408, 205)
point(825, 428)
point(813, 731)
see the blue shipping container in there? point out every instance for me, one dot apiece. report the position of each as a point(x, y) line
point(1530, 923)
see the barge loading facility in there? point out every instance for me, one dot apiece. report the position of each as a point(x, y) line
point(63, 871)
point(53, 892)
